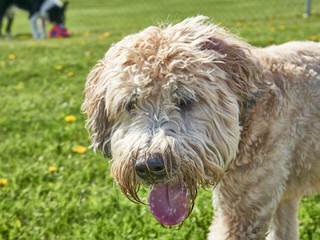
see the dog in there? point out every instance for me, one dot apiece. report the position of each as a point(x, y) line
point(191, 105)
point(51, 10)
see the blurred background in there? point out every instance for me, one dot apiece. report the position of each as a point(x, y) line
point(260, 22)
point(52, 185)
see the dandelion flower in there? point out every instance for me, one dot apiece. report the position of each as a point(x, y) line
point(273, 29)
point(70, 118)
point(79, 149)
point(110, 175)
point(87, 54)
point(3, 182)
point(238, 24)
point(282, 28)
point(106, 34)
point(11, 57)
point(59, 67)
point(52, 169)
point(70, 74)
point(19, 85)
point(313, 37)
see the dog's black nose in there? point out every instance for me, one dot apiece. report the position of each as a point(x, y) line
point(152, 169)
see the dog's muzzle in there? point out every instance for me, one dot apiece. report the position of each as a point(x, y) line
point(151, 170)
point(168, 201)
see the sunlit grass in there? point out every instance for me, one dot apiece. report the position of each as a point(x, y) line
point(52, 185)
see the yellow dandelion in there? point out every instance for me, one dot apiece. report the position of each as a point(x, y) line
point(70, 74)
point(3, 182)
point(11, 57)
point(238, 24)
point(19, 85)
point(70, 118)
point(88, 57)
point(313, 38)
point(106, 34)
point(79, 149)
point(273, 29)
point(282, 27)
point(52, 169)
point(59, 67)
point(110, 175)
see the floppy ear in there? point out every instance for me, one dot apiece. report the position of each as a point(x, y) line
point(98, 123)
point(238, 62)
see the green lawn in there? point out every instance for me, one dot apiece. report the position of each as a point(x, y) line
point(51, 187)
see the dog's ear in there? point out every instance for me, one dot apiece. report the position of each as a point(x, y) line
point(65, 5)
point(238, 62)
point(94, 105)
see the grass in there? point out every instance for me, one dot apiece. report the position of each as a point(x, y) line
point(52, 189)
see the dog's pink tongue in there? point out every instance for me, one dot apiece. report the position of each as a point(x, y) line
point(168, 203)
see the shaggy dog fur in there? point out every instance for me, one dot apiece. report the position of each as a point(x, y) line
point(219, 112)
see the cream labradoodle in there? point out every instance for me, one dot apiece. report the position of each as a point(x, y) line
point(190, 105)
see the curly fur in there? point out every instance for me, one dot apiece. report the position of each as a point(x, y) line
point(219, 112)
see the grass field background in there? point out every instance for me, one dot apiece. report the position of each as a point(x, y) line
point(51, 185)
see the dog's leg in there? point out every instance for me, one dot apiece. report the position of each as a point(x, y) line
point(33, 21)
point(0, 27)
point(247, 199)
point(8, 28)
point(285, 224)
point(2, 14)
point(218, 228)
point(245, 221)
point(43, 28)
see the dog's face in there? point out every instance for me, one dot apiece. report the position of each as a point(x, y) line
point(56, 14)
point(165, 104)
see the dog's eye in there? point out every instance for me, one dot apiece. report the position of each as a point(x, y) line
point(185, 103)
point(130, 105)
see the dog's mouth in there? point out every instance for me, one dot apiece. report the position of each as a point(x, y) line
point(169, 203)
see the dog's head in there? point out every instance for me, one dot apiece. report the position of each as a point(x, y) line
point(165, 103)
point(56, 13)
